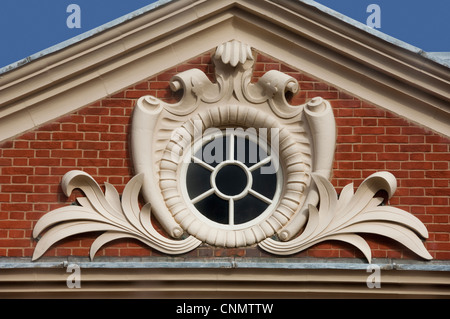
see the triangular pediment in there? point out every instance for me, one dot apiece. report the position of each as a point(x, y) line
point(297, 33)
point(109, 151)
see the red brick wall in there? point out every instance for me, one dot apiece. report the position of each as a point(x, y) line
point(95, 139)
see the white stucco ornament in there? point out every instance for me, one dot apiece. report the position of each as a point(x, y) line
point(232, 164)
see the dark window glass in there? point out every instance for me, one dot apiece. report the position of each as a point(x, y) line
point(198, 180)
point(214, 208)
point(265, 184)
point(231, 180)
point(248, 208)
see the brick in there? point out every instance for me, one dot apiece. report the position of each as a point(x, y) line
point(17, 179)
point(343, 112)
point(21, 144)
point(117, 112)
point(44, 161)
point(329, 95)
point(415, 148)
point(442, 201)
point(347, 174)
point(5, 197)
point(115, 120)
point(437, 139)
point(344, 131)
point(438, 174)
point(440, 148)
point(18, 153)
point(372, 148)
point(42, 179)
point(113, 154)
point(94, 111)
point(113, 171)
point(370, 157)
point(349, 121)
point(92, 128)
point(69, 145)
point(7, 144)
point(437, 157)
point(17, 188)
point(369, 165)
point(413, 130)
point(349, 139)
point(392, 156)
point(92, 162)
point(17, 170)
point(369, 112)
point(42, 198)
point(364, 130)
point(50, 127)
point(438, 192)
point(14, 242)
point(93, 145)
point(416, 201)
point(92, 119)
point(417, 157)
point(15, 224)
point(416, 183)
point(66, 153)
point(5, 161)
point(20, 162)
point(91, 136)
point(392, 122)
point(417, 165)
point(346, 103)
point(348, 156)
point(393, 139)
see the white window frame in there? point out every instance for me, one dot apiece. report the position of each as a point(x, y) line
point(248, 191)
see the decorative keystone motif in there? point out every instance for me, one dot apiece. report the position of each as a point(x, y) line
point(165, 138)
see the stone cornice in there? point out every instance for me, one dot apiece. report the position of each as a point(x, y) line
point(200, 278)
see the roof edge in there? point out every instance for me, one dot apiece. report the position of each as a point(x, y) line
point(85, 35)
point(433, 56)
point(377, 33)
point(225, 262)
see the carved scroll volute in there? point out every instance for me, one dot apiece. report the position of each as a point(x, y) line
point(322, 127)
point(276, 84)
point(145, 120)
point(196, 88)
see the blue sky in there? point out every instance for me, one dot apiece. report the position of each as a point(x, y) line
point(29, 26)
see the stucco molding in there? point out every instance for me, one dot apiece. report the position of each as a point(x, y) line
point(341, 218)
point(106, 212)
point(162, 134)
point(302, 144)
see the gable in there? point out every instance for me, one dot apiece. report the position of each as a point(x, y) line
point(77, 117)
point(298, 34)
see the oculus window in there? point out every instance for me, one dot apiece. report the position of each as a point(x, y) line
point(231, 179)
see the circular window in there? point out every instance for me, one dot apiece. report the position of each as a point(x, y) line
point(231, 179)
point(231, 187)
